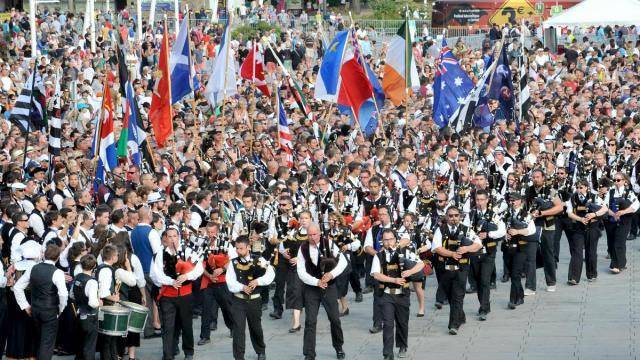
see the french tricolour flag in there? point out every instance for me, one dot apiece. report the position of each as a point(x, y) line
point(285, 135)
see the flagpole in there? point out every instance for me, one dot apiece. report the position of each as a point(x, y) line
point(275, 55)
point(96, 152)
point(373, 93)
point(276, 91)
point(226, 67)
point(407, 65)
point(26, 136)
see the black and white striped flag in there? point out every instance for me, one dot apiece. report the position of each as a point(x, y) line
point(55, 124)
point(29, 113)
point(463, 117)
point(525, 96)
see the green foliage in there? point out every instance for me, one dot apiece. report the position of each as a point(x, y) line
point(249, 31)
point(386, 9)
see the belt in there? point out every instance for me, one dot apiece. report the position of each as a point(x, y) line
point(492, 244)
point(461, 261)
point(393, 291)
point(522, 242)
point(246, 297)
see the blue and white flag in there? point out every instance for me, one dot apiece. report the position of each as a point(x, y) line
point(451, 86)
point(222, 72)
point(180, 65)
point(328, 80)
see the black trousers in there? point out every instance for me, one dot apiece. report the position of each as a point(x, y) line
point(176, 312)
point(247, 312)
point(377, 306)
point(529, 264)
point(617, 233)
point(89, 326)
point(516, 258)
point(583, 236)
point(281, 281)
point(563, 224)
point(453, 284)
point(215, 296)
point(395, 310)
point(368, 279)
point(547, 243)
point(314, 296)
point(196, 296)
point(47, 325)
point(4, 324)
point(481, 270)
point(438, 266)
point(354, 275)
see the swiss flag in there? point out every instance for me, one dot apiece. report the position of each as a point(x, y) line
point(160, 114)
point(251, 62)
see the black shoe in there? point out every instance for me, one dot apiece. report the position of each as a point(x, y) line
point(375, 329)
point(359, 297)
point(340, 354)
point(188, 357)
point(438, 305)
point(367, 290)
point(470, 290)
point(403, 353)
point(453, 331)
point(419, 315)
point(492, 285)
point(295, 329)
point(482, 317)
point(511, 305)
point(592, 279)
point(519, 302)
point(344, 313)
point(309, 358)
point(262, 357)
point(445, 302)
point(213, 327)
point(276, 315)
point(390, 357)
point(203, 342)
point(572, 282)
point(505, 278)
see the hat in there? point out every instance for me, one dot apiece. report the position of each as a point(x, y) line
point(515, 196)
point(499, 149)
point(184, 169)
point(154, 197)
point(30, 251)
point(36, 170)
point(549, 138)
point(18, 186)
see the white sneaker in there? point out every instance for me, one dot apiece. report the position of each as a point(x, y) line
point(529, 292)
point(551, 288)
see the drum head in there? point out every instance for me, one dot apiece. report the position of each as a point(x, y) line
point(115, 310)
point(133, 306)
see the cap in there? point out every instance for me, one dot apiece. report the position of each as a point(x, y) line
point(499, 149)
point(36, 170)
point(18, 186)
point(549, 138)
point(515, 196)
point(30, 249)
point(184, 169)
point(154, 197)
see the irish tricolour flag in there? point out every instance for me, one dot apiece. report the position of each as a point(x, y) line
point(400, 71)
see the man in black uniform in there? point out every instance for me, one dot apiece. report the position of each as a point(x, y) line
point(544, 204)
point(452, 243)
point(586, 209)
point(390, 268)
point(490, 229)
point(85, 296)
point(48, 298)
point(245, 276)
point(319, 263)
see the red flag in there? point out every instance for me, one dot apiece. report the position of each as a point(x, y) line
point(252, 62)
point(160, 114)
point(355, 87)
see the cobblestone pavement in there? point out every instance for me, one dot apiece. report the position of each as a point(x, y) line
point(599, 320)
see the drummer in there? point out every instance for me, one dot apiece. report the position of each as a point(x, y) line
point(85, 296)
point(108, 291)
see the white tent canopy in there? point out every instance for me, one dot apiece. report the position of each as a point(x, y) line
point(598, 12)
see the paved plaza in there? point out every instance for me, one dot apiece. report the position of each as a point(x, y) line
point(599, 320)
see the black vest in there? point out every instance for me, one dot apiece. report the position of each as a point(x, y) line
point(80, 298)
point(39, 214)
point(452, 241)
point(5, 233)
point(325, 256)
point(202, 214)
point(112, 287)
point(480, 224)
point(393, 268)
point(44, 293)
point(246, 271)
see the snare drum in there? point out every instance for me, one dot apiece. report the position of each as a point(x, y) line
point(137, 316)
point(113, 320)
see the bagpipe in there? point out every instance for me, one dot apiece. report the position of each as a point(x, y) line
point(327, 261)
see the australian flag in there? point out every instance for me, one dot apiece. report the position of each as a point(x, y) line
point(450, 87)
point(501, 88)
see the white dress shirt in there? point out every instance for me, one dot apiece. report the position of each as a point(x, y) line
point(313, 255)
point(236, 287)
point(57, 279)
point(105, 277)
point(157, 269)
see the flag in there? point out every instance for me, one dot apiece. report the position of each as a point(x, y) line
point(525, 95)
point(253, 69)
point(397, 78)
point(160, 114)
point(132, 136)
point(55, 125)
point(501, 87)
point(328, 80)
point(104, 140)
point(284, 133)
point(222, 74)
point(299, 98)
point(451, 86)
point(180, 64)
point(30, 111)
point(464, 116)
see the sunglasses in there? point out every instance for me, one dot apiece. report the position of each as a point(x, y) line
point(454, 215)
point(441, 201)
point(618, 180)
